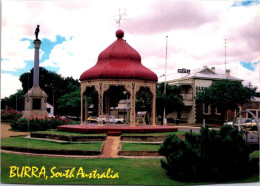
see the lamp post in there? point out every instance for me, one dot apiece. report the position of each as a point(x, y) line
point(28, 80)
point(16, 101)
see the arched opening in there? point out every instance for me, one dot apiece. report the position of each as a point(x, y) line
point(116, 105)
point(253, 116)
point(90, 102)
point(143, 105)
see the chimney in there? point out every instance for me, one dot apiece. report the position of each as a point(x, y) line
point(213, 69)
point(228, 72)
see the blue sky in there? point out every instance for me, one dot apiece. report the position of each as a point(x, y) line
point(46, 48)
point(249, 65)
point(245, 3)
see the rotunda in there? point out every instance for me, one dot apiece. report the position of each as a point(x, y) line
point(118, 65)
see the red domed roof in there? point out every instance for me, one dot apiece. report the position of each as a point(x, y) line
point(119, 61)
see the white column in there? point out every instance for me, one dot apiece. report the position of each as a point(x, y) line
point(37, 44)
point(132, 111)
point(81, 109)
point(100, 105)
point(86, 110)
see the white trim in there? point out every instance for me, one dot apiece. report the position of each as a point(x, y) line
point(209, 110)
point(216, 112)
point(254, 110)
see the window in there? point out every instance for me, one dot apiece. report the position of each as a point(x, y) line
point(206, 109)
point(218, 111)
point(249, 115)
point(36, 104)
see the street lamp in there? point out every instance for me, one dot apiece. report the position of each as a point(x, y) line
point(16, 101)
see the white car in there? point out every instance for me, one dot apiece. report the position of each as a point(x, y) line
point(111, 119)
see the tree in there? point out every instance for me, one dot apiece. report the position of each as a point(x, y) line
point(69, 104)
point(53, 85)
point(143, 100)
point(14, 100)
point(208, 156)
point(225, 95)
point(252, 89)
point(172, 101)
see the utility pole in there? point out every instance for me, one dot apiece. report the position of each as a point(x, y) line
point(164, 112)
point(225, 54)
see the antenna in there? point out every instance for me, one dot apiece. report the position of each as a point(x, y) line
point(225, 54)
point(120, 17)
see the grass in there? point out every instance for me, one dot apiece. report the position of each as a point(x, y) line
point(68, 133)
point(255, 154)
point(39, 144)
point(130, 171)
point(153, 134)
point(140, 147)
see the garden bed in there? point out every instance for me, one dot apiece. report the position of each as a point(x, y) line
point(77, 137)
point(53, 151)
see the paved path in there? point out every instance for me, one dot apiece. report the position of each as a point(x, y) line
point(5, 132)
point(111, 147)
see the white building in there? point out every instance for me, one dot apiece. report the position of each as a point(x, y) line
point(192, 83)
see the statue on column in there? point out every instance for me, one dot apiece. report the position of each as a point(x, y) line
point(37, 30)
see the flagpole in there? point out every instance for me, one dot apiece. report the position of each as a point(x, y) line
point(164, 112)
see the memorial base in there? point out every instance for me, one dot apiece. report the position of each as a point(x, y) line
point(35, 103)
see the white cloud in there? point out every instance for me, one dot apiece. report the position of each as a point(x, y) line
point(9, 84)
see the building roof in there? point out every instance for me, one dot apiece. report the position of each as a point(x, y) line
point(255, 99)
point(203, 73)
point(119, 61)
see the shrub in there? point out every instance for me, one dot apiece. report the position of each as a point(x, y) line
point(38, 124)
point(10, 115)
point(208, 156)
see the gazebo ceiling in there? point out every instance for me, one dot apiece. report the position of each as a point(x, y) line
point(119, 61)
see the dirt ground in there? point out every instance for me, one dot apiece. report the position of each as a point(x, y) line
point(5, 132)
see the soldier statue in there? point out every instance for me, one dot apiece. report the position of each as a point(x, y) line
point(37, 30)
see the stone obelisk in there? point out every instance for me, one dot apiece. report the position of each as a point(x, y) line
point(35, 98)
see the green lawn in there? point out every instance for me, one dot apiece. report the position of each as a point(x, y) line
point(153, 134)
point(140, 147)
point(130, 171)
point(39, 144)
point(69, 133)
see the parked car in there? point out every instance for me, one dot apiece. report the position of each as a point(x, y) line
point(252, 123)
point(229, 123)
point(111, 119)
point(92, 119)
point(74, 118)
